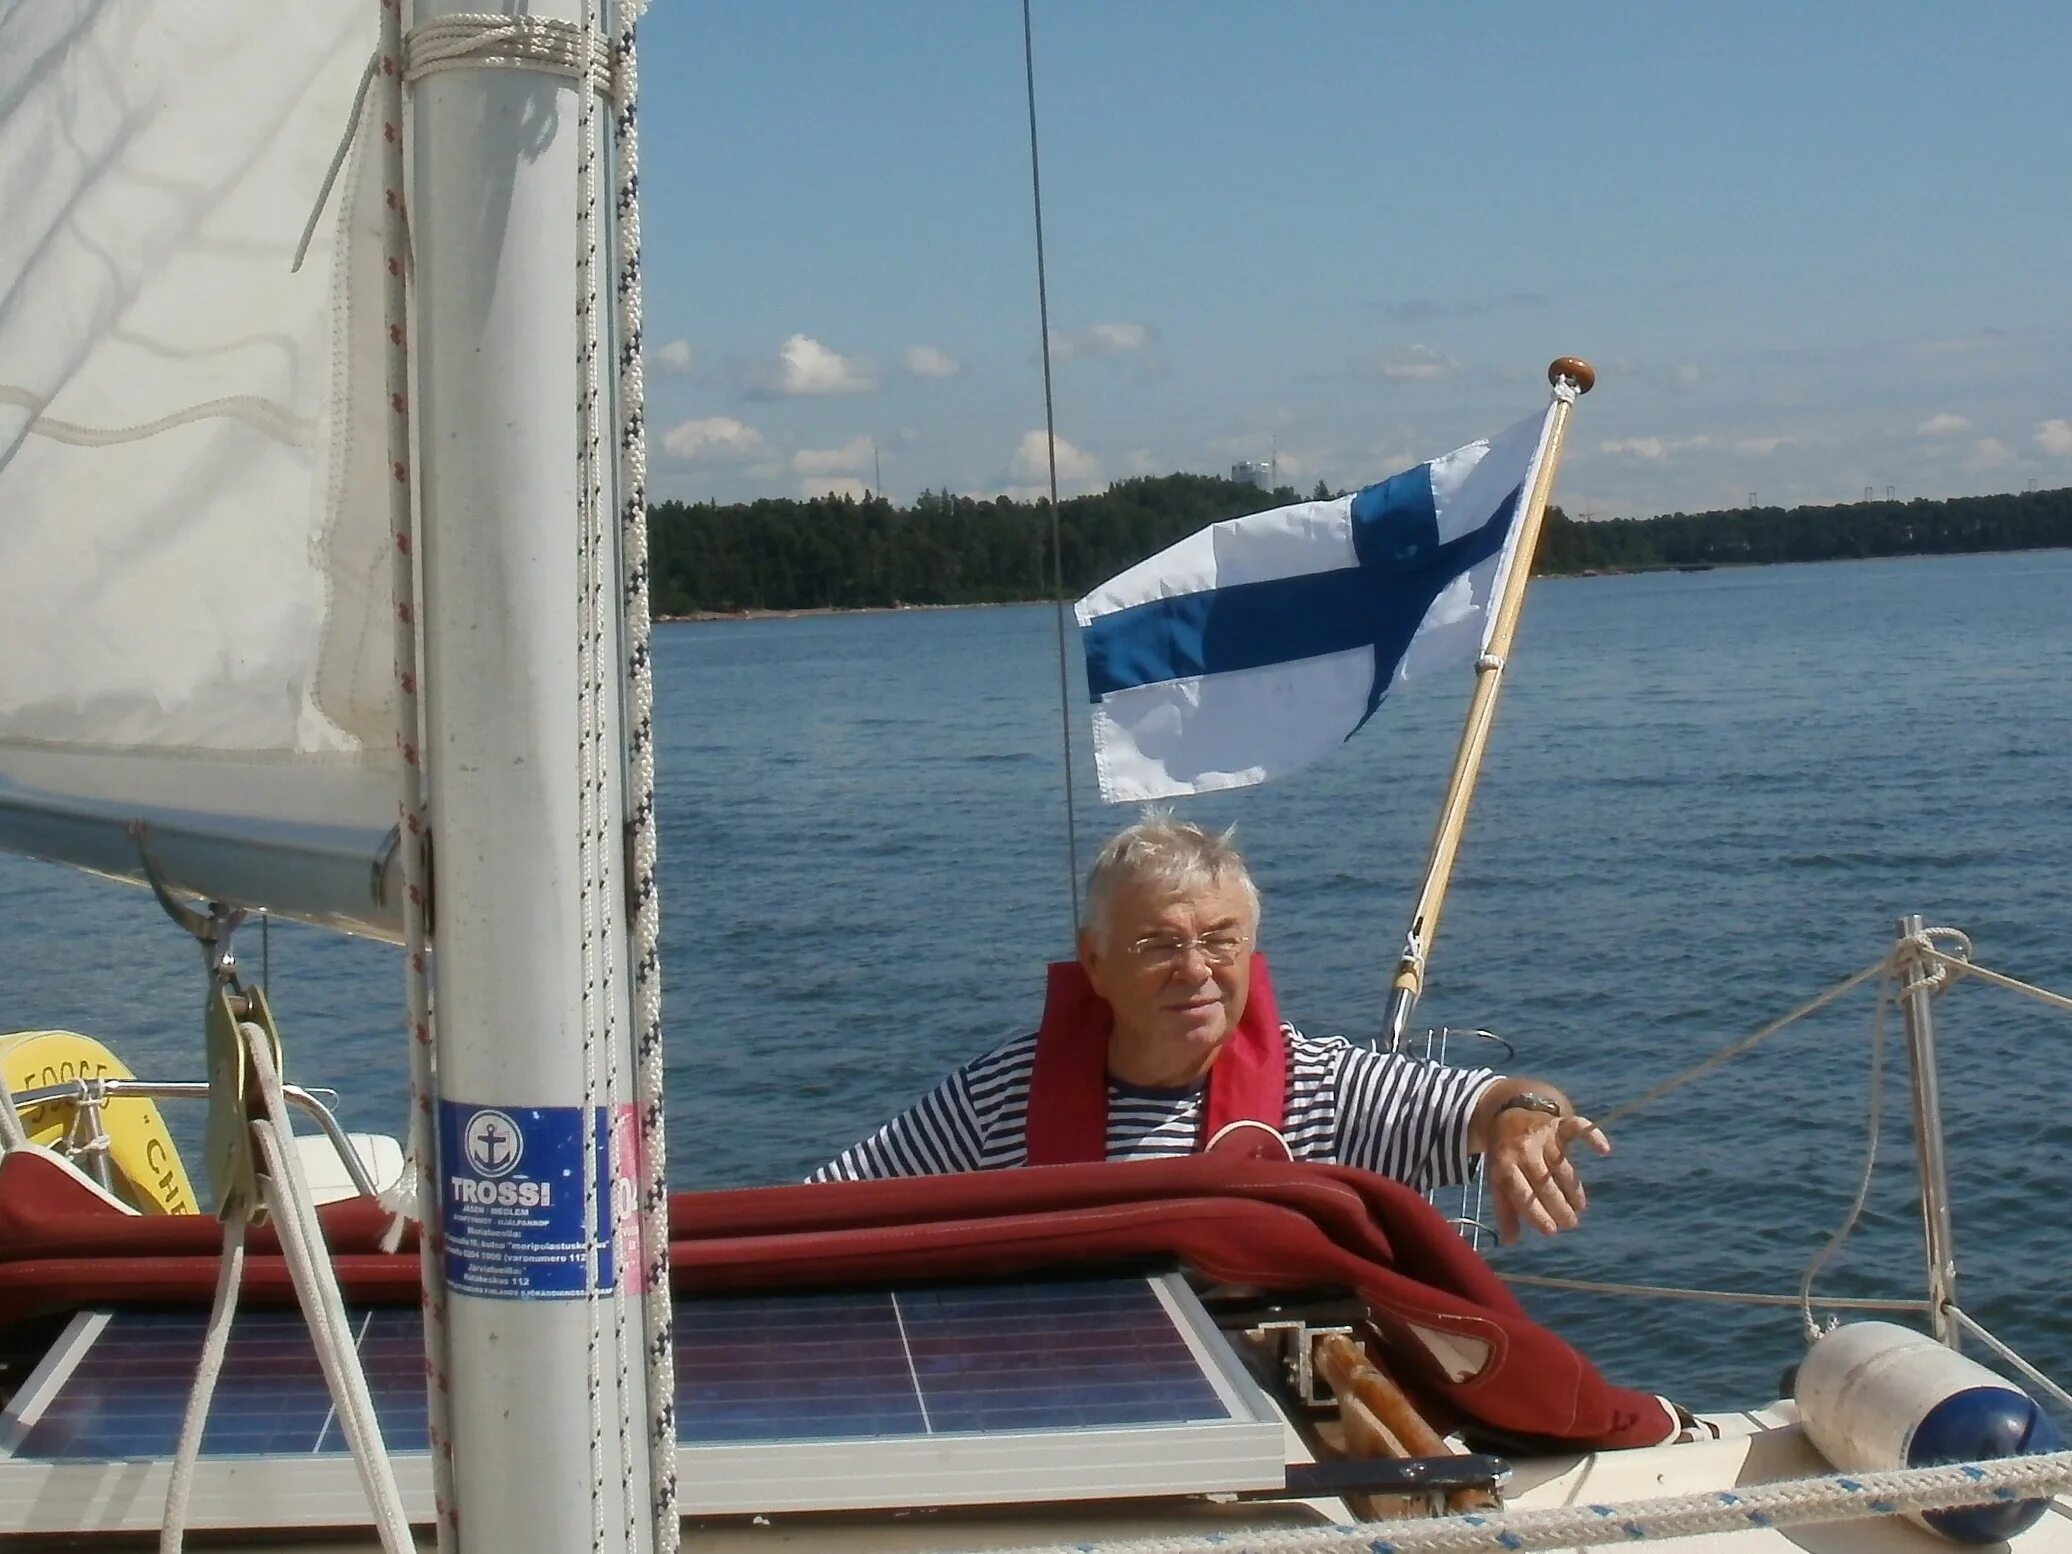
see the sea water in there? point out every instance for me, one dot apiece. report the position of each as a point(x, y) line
point(1708, 796)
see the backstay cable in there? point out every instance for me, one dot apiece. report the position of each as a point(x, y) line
point(1050, 440)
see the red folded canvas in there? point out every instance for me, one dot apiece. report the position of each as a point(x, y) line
point(1456, 1333)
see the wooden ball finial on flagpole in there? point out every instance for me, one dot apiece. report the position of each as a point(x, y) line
point(1571, 377)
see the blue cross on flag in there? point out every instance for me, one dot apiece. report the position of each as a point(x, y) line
point(1258, 644)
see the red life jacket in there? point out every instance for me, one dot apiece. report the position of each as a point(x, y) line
point(1068, 1087)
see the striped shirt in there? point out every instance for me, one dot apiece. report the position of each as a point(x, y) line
point(1401, 1116)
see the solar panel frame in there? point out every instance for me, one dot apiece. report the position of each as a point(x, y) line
point(1237, 1443)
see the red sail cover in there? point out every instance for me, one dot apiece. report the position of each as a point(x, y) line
point(1453, 1329)
point(1068, 1087)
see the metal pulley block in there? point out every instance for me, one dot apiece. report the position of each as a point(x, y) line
point(234, 1100)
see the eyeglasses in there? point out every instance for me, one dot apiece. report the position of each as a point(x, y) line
point(1164, 951)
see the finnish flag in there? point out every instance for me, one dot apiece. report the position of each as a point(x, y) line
point(1257, 645)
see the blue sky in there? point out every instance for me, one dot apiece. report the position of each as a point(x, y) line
point(1809, 248)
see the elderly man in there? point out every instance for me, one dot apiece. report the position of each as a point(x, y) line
point(1163, 1039)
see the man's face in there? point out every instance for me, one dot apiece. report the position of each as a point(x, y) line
point(1173, 1011)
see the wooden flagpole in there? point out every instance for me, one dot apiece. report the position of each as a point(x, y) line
point(1571, 377)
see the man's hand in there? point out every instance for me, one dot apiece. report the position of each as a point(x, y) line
point(1529, 1173)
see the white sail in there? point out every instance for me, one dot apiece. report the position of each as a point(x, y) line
point(194, 563)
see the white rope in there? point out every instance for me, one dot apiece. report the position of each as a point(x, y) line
point(1962, 967)
point(644, 928)
point(230, 1273)
point(1734, 1049)
point(413, 825)
point(289, 1202)
point(338, 156)
point(484, 41)
point(267, 417)
point(1875, 1109)
point(600, 979)
point(1786, 1503)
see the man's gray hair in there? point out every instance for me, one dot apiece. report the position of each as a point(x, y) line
point(1162, 851)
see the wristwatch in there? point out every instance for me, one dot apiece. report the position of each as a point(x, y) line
point(1532, 1101)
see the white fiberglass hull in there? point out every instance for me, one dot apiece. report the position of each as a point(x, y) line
point(1757, 1447)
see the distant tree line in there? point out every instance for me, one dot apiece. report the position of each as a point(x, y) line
point(842, 553)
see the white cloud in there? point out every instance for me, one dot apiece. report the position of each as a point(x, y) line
point(1075, 468)
point(1991, 453)
point(1961, 345)
point(1141, 461)
point(1653, 449)
point(838, 485)
point(804, 366)
point(1100, 340)
point(2055, 436)
point(926, 361)
point(718, 438)
point(1686, 375)
point(1418, 364)
point(1763, 447)
point(671, 358)
point(1942, 424)
point(852, 458)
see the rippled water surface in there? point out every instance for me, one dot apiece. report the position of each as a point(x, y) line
point(1709, 796)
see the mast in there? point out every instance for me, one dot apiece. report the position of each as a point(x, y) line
point(526, 813)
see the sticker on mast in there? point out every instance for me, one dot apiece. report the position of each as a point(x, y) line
point(511, 1184)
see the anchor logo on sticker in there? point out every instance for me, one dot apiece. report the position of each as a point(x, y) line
point(493, 1143)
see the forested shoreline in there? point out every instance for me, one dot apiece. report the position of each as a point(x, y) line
point(842, 553)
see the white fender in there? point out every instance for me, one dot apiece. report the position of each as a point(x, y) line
point(1874, 1396)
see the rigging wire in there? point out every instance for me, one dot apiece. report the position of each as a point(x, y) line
point(1050, 439)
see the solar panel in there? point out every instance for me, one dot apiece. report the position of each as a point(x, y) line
point(941, 1395)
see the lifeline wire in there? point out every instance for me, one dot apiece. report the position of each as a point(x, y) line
point(1050, 435)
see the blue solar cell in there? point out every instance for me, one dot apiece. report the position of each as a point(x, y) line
point(1067, 1356)
point(125, 1399)
point(1083, 1355)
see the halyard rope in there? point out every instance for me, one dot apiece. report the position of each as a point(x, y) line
point(485, 41)
point(600, 1026)
point(1785, 1503)
point(644, 928)
point(1050, 442)
point(414, 833)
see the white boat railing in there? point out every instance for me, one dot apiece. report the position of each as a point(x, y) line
point(90, 1096)
point(1924, 963)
